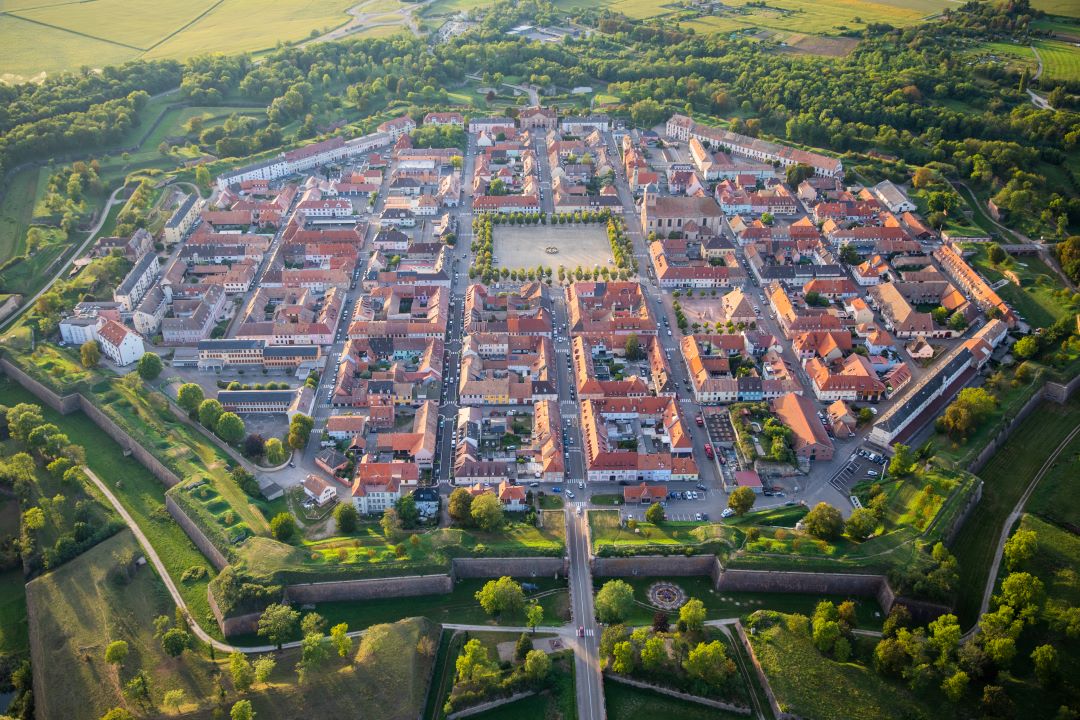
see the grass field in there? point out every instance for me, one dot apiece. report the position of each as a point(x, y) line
point(41, 37)
point(807, 684)
point(28, 275)
point(828, 17)
point(16, 209)
point(1057, 497)
point(1005, 476)
point(1009, 54)
point(1037, 297)
point(79, 609)
point(13, 630)
point(1061, 60)
point(1065, 8)
point(624, 702)
point(459, 606)
point(139, 492)
point(608, 533)
point(720, 604)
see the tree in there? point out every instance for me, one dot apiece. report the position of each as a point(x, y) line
point(996, 703)
point(653, 654)
point(522, 647)
point(229, 428)
point(957, 321)
point(1026, 347)
point(283, 526)
point(614, 601)
point(537, 665)
point(34, 519)
point(944, 637)
point(90, 353)
point(709, 663)
point(264, 667)
point(149, 366)
point(502, 595)
point(970, 408)
point(312, 623)
point(241, 710)
point(278, 623)
point(339, 636)
point(202, 177)
point(824, 521)
point(1024, 593)
point(299, 431)
point(624, 658)
point(189, 397)
point(661, 623)
point(209, 412)
point(118, 714)
point(861, 524)
point(797, 173)
point(692, 615)
point(632, 347)
point(955, 685)
point(996, 254)
point(902, 462)
point(313, 652)
point(116, 652)
point(1045, 658)
point(460, 506)
point(487, 512)
point(1021, 548)
point(473, 665)
point(390, 522)
point(175, 641)
point(254, 445)
point(849, 255)
point(655, 513)
point(241, 671)
point(741, 500)
point(346, 517)
point(407, 511)
point(534, 615)
point(275, 452)
point(174, 699)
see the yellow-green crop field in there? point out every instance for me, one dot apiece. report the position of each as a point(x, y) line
point(822, 17)
point(39, 36)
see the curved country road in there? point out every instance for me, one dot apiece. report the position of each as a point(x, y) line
point(197, 630)
point(1018, 509)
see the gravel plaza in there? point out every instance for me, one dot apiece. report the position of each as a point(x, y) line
point(526, 246)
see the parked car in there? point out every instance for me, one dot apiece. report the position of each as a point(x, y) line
point(570, 494)
point(728, 512)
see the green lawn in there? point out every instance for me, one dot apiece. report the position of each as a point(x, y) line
point(721, 604)
point(1039, 297)
point(1061, 60)
point(13, 632)
point(459, 606)
point(139, 492)
point(810, 685)
point(28, 276)
point(1057, 497)
point(1005, 477)
point(624, 702)
point(609, 535)
point(556, 703)
point(16, 210)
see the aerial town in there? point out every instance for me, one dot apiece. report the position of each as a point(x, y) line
point(550, 409)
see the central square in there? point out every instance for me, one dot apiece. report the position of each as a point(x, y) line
point(526, 246)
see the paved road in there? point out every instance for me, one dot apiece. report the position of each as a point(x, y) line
point(588, 677)
point(78, 252)
point(1018, 509)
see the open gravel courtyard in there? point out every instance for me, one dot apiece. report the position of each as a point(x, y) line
point(525, 246)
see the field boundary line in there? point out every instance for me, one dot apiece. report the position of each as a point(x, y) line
point(76, 32)
point(185, 26)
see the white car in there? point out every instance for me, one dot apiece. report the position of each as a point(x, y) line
point(728, 512)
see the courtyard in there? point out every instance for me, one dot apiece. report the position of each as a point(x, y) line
point(551, 246)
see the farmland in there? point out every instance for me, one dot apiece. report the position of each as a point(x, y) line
point(824, 18)
point(1061, 60)
point(49, 38)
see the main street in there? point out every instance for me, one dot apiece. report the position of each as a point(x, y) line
point(588, 677)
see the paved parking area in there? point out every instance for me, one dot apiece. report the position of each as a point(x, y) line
point(861, 465)
point(525, 246)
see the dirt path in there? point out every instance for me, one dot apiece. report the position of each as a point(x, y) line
point(1038, 100)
